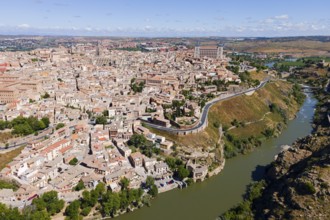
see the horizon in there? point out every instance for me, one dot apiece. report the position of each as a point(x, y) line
point(146, 18)
point(153, 37)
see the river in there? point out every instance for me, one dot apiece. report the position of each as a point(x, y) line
point(271, 64)
point(209, 199)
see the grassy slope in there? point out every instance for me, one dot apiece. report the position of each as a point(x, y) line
point(5, 136)
point(253, 108)
point(8, 157)
point(258, 75)
point(243, 108)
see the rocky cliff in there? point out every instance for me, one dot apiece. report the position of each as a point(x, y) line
point(298, 181)
point(297, 184)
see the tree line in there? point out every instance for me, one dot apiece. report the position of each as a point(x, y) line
point(105, 201)
point(110, 203)
point(24, 126)
point(42, 208)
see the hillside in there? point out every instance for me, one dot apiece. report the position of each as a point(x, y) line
point(252, 113)
point(298, 47)
point(299, 180)
point(297, 184)
point(7, 157)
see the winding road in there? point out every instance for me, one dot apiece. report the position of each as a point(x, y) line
point(201, 123)
point(42, 134)
point(205, 111)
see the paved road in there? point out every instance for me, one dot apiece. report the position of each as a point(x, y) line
point(205, 110)
point(201, 123)
point(27, 139)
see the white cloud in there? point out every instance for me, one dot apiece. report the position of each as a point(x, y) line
point(147, 28)
point(23, 26)
point(266, 27)
point(282, 17)
point(269, 20)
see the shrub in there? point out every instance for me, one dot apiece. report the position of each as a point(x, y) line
point(73, 162)
point(216, 124)
point(306, 188)
point(86, 211)
point(59, 125)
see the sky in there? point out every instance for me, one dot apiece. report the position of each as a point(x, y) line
point(166, 18)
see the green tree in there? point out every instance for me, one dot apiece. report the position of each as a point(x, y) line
point(115, 202)
point(146, 200)
point(132, 195)
point(72, 210)
point(85, 211)
point(170, 162)
point(173, 163)
point(39, 215)
point(101, 119)
point(10, 213)
point(216, 124)
point(4, 184)
point(3, 125)
point(100, 188)
point(268, 132)
point(48, 201)
point(86, 199)
point(39, 204)
point(182, 172)
point(123, 199)
point(124, 182)
point(73, 162)
point(150, 181)
point(107, 204)
point(94, 196)
point(137, 140)
point(79, 186)
point(46, 121)
point(36, 124)
point(53, 204)
point(137, 87)
point(107, 208)
point(59, 125)
point(202, 103)
point(105, 113)
point(45, 96)
point(26, 126)
point(22, 129)
point(153, 191)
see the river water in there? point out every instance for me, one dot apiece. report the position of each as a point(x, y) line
point(272, 63)
point(209, 199)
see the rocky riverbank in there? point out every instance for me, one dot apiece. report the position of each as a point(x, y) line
point(297, 184)
point(298, 181)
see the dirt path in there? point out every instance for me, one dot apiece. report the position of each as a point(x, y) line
point(251, 122)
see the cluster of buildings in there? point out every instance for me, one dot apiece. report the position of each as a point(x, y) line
point(86, 81)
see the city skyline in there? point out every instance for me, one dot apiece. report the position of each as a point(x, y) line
point(165, 19)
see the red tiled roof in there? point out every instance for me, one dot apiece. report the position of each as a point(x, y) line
point(65, 149)
point(54, 146)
